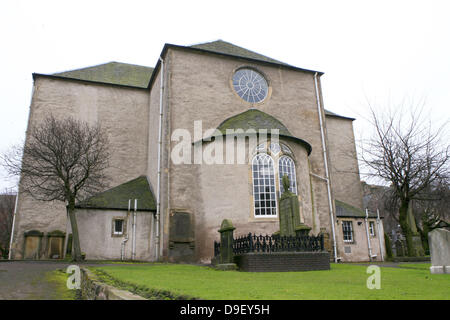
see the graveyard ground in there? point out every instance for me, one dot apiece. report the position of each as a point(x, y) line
point(342, 282)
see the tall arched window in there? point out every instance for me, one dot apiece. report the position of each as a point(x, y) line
point(286, 166)
point(272, 161)
point(264, 186)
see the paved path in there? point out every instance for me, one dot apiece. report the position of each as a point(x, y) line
point(25, 280)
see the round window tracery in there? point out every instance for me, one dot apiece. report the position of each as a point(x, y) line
point(250, 85)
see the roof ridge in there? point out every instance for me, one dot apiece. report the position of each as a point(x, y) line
point(102, 64)
point(112, 72)
point(258, 56)
point(117, 197)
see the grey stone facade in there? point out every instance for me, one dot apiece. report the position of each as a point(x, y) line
point(197, 87)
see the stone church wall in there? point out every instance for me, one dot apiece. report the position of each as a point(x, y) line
point(123, 114)
point(200, 89)
point(98, 242)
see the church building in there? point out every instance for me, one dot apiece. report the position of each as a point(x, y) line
point(205, 135)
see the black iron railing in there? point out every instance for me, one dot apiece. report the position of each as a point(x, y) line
point(267, 244)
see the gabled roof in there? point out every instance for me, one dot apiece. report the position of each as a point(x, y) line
point(220, 46)
point(112, 73)
point(227, 49)
point(332, 114)
point(136, 76)
point(345, 210)
point(258, 120)
point(117, 198)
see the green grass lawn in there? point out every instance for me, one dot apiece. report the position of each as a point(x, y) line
point(343, 281)
point(422, 266)
point(58, 278)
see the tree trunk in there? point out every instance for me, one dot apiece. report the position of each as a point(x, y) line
point(403, 220)
point(75, 236)
point(424, 235)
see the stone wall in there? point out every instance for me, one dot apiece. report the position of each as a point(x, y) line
point(216, 192)
point(98, 242)
point(283, 261)
point(123, 115)
point(93, 289)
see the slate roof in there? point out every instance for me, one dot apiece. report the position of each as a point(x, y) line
point(258, 120)
point(345, 210)
point(332, 114)
point(137, 76)
point(112, 73)
point(220, 46)
point(117, 198)
point(253, 119)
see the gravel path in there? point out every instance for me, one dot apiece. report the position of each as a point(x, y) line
point(25, 280)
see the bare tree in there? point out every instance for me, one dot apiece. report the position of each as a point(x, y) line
point(408, 153)
point(7, 202)
point(62, 160)
point(432, 209)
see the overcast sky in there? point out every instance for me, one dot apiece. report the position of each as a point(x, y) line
point(377, 51)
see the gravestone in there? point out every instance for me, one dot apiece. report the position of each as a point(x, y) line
point(326, 239)
point(226, 246)
point(55, 244)
point(399, 248)
point(181, 237)
point(289, 217)
point(32, 244)
point(418, 250)
point(439, 241)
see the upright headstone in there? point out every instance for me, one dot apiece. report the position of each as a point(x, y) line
point(439, 241)
point(416, 240)
point(289, 217)
point(399, 248)
point(226, 246)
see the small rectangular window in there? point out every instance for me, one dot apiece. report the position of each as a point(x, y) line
point(118, 226)
point(347, 229)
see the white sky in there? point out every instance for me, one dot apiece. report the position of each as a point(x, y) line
point(381, 51)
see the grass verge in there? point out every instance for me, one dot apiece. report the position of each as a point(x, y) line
point(58, 280)
point(420, 266)
point(342, 282)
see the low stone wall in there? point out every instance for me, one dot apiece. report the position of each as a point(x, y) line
point(283, 261)
point(93, 289)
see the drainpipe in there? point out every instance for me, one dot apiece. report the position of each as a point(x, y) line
point(12, 229)
point(367, 234)
point(379, 234)
point(122, 251)
point(325, 159)
point(158, 188)
point(133, 248)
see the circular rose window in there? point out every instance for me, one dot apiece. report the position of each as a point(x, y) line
point(250, 85)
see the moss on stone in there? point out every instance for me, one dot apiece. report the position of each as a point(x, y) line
point(258, 120)
point(253, 119)
point(117, 197)
point(113, 73)
point(346, 210)
point(226, 225)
